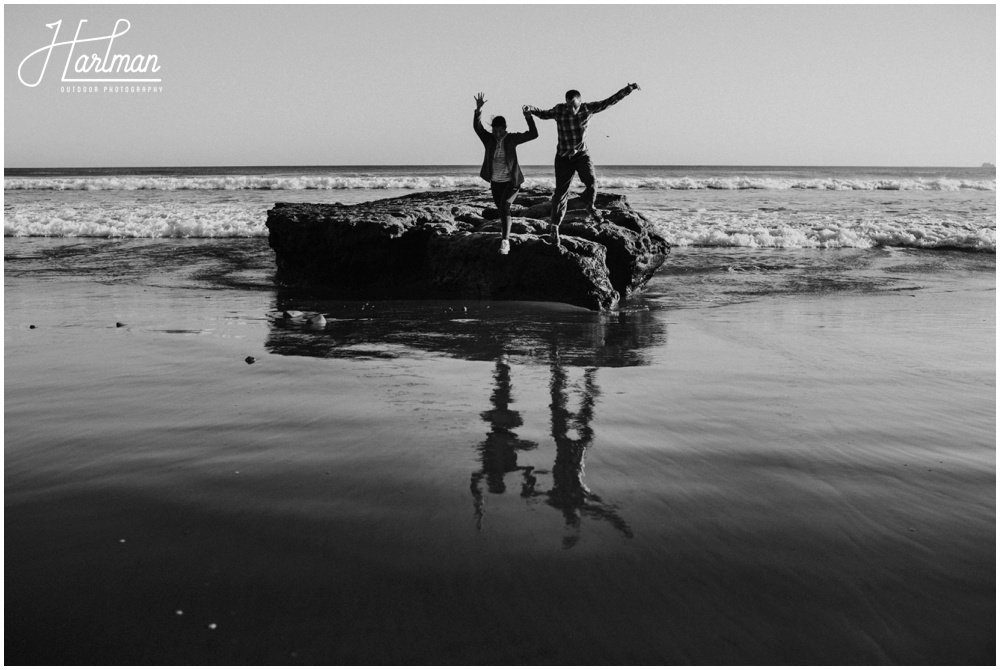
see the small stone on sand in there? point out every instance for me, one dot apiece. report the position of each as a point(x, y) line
point(212, 626)
point(318, 320)
point(179, 612)
point(250, 360)
point(291, 314)
point(31, 326)
point(119, 324)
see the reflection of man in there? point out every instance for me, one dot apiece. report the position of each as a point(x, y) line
point(569, 494)
point(572, 119)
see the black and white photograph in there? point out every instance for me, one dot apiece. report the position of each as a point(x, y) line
point(492, 335)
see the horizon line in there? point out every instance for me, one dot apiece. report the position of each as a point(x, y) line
point(470, 165)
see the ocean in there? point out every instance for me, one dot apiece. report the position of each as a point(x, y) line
point(927, 208)
point(781, 451)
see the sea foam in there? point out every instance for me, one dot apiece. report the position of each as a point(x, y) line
point(735, 231)
point(701, 227)
point(127, 221)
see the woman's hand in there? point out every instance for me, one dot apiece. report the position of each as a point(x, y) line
point(480, 101)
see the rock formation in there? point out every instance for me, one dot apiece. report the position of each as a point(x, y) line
point(445, 244)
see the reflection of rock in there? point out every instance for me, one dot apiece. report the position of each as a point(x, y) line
point(442, 244)
point(527, 333)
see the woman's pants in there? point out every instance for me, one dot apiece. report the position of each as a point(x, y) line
point(504, 193)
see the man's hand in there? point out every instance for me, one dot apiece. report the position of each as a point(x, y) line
point(528, 109)
point(480, 101)
point(633, 87)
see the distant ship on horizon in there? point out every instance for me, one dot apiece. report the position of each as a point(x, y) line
point(989, 165)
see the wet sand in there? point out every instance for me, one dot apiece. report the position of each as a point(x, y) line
point(795, 479)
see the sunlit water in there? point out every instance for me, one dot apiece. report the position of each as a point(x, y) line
point(769, 456)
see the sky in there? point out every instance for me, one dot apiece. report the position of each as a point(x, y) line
point(896, 85)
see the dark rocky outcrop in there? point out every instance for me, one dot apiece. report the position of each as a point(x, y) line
point(445, 244)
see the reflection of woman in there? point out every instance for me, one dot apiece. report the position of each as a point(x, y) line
point(500, 166)
point(499, 450)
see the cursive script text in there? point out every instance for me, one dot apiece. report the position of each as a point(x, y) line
point(94, 63)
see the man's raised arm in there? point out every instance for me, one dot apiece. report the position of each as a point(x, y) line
point(543, 113)
point(596, 107)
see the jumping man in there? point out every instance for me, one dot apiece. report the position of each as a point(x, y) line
point(572, 157)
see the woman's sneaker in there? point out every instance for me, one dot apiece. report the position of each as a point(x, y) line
point(504, 247)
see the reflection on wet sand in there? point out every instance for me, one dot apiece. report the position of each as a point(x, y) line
point(526, 332)
point(498, 452)
point(531, 335)
point(569, 494)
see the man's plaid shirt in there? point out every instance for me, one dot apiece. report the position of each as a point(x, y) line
point(573, 127)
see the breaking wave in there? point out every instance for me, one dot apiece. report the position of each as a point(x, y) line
point(126, 221)
point(334, 183)
point(787, 237)
point(704, 228)
point(927, 232)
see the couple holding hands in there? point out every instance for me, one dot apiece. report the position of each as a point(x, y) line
point(501, 169)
